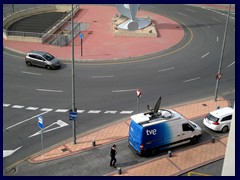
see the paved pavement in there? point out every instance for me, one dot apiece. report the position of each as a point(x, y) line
point(180, 162)
point(100, 44)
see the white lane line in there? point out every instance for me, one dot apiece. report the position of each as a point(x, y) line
point(32, 108)
point(31, 73)
point(127, 90)
point(126, 112)
point(110, 112)
point(189, 80)
point(205, 55)
point(6, 105)
point(17, 106)
point(166, 69)
point(95, 77)
point(26, 120)
point(49, 90)
point(216, 19)
point(217, 38)
point(94, 111)
point(61, 110)
point(46, 109)
point(80, 111)
point(231, 64)
point(9, 152)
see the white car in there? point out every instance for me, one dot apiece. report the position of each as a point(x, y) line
point(219, 120)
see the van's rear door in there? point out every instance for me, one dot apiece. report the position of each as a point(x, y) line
point(135, 135)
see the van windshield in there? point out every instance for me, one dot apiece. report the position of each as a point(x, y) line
point(212, 118)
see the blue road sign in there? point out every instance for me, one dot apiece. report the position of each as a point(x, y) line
point(40, 122)
point(73, 115)
point(81, 36)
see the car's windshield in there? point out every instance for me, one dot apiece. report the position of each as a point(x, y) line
point(212, 118)
point(48, 57)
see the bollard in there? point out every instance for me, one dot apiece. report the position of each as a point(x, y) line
point(119, 170)
point(213, 139)
point(94, 143)
point(169, 154)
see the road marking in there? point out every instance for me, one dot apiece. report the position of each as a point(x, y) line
point(110, 112)
point(126, 112)
point(217, 39)
point(205, 55)
point(80, 111)
point(26, 120)
point(166, 69)
point(31, 73)
point(49, 90)
point(231, 64)
point(61, 110)
point(127, 90)
point(94, 111)
point(207, 25)
point(32, 108)
point(216, 19)
point(9, 152)
point(60, 124)
point(94, 77)
point(191, 79)
point(17, 106)
point(46, 109)
point(6, 105)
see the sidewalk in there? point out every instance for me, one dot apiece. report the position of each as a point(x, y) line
point(181, 161)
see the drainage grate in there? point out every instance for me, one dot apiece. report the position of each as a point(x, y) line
point(64, 149)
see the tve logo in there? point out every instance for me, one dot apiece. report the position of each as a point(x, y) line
point(153, 132)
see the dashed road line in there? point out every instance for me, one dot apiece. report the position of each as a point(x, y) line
point(126, 90)
point(162, 70)
point(80, 111)
point(110, 112)
point(231, 64)
point(189, 80)
point(49, 90)
point(205, 55)
point(126, 112)
point(6, 105)
point(216, 19)
point(95, 77)
point(46, 109)
point(31, 73)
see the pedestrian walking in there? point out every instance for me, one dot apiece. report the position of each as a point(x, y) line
point(113, 153)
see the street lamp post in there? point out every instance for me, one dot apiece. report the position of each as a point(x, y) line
point(221, 57)
point(73, 83)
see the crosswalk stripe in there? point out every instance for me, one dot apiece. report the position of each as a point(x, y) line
point(110, 112)
point(6, 105)
point(46, 109)
point(17, 106)
point(80, 111)
point(61, 110)
point(126, 112)
point(94, 111)
point(32, 108)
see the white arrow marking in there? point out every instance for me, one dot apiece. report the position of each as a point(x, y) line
point(60, 124)
point(9, 152)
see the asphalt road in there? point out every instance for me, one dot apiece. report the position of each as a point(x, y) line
point(181, 76)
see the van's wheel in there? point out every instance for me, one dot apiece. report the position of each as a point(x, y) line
point(224, 129)
point(48, 67)
point(154, 151)
point(194, 140)
point(28, 63)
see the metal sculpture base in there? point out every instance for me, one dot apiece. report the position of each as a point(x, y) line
point(121, 26)
point(137, 23)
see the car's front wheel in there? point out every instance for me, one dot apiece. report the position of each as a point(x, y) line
point(28, 63)
point(48, 67)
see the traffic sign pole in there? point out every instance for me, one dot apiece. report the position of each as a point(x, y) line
point(81, 47)
point(41, 126)
point(42, 142)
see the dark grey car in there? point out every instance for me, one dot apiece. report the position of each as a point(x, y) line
point(42, 59)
